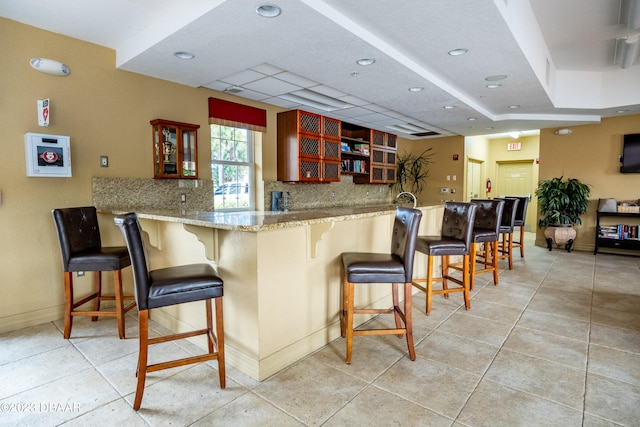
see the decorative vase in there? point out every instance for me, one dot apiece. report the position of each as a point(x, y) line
point(560, 235)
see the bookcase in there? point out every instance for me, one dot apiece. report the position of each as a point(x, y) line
point(617, 230)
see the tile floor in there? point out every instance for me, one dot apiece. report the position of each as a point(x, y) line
point(557, 343)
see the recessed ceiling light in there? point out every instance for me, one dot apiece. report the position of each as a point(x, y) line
point(496, 77)
point(622, 111)
point(494, 85)
point(449, 107)
point(184, 55)
point(268, 10)
point(458, 52)
point(472, 119)
point(514, 106)
point(416, 89)
point(365, 61)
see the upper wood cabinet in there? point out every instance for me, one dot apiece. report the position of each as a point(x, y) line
point(314, 148)
point(175, 149)
point(308, 147)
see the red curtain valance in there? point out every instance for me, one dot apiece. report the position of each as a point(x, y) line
point(229, 113)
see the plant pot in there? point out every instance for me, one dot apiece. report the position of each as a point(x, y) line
point(560, 235)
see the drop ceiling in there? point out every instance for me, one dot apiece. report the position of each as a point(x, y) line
point(552, 61)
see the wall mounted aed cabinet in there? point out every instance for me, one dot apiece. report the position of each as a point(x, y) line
point(308, 147)
point(175, 149)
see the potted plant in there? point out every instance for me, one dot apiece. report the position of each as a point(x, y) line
point(411, 174)
point(561, 203)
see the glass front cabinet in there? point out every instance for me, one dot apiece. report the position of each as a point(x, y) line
point(175, 147)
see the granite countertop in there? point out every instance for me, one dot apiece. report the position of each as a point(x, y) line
point(259, 220)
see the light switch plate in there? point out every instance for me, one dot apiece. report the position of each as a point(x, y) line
point(104, 161)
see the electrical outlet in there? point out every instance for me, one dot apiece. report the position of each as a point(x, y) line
point(444, 190)
point(104, 161)
point(183, 198)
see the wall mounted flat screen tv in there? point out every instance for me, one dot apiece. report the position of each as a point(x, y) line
point(631, 154)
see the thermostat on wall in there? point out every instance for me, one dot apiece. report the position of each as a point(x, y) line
point(47, 155)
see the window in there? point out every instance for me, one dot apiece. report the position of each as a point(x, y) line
point(232, 168)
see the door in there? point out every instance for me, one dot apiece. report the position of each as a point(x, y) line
point(474, 180)
point(516, 179)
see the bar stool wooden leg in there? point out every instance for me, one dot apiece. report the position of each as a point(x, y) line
point(349, 296)
point(465, 282)
point(510, 250)
point(445, 273)
point(522, 241)
point(141, 372)
point(407, 320)
point(396, 307)
point(68, 303)
point(119, 297)
point(217, 339)
point(494, 249)
point(429, 283)
point(98, 290)
point(472, 267)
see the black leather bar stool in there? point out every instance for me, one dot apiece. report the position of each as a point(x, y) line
point(81, 250)
point(521, 217)
point(395, 267)
point(170, 286)
point(507, 226)
point(485, 232)
point(454, 239)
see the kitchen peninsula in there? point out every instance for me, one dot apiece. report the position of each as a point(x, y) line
point(281, 270)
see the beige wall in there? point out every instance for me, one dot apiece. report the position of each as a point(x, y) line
point(442, 164)
point(105, 112)
point(590, 154)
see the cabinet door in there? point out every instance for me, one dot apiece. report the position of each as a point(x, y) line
point(310, 170)
point(330, 128)
point(331, 150)
point(330, 171)
point(309, 123)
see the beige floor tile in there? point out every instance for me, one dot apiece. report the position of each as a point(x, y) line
point(622, 339)
point(465, 354)
point(186, 397)
point(28, 342)
point(310, 391)
point(539, 377)
point(510, 296)
point(59, 400)
point(466, 325)
point(121, 373)
point(576, 305)
point(612, 363)
point(616, 300)
point(617, 319)
point(548, 346)
point(375, 407)
point(612, 400)
point(429, 384)
point(495, 405)
point(40, 369)
point(493, 311)
point(118, 413)
point(371, 356)
point(248, 410)
point(559, 325)
point(593, 421)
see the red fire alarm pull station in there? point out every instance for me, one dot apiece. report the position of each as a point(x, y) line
point(455, 157)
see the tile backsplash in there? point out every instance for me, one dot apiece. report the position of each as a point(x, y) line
point(150, 193)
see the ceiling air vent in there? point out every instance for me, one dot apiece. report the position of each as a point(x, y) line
point(429, 133)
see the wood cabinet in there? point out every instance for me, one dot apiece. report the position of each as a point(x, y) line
point(380, 158)
point(314, 148)
point(308, 147)
point(175, 149)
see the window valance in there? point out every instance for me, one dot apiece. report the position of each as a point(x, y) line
point(227, 113)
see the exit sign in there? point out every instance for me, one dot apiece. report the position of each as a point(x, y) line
point(514, 146)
